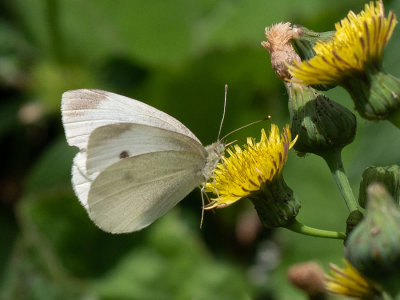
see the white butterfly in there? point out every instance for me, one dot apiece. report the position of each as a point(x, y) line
point(135, 162)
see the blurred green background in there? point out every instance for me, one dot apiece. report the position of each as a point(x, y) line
point(175, 55)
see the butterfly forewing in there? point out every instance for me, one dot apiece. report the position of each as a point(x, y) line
point(109, 144)
point(85, 110)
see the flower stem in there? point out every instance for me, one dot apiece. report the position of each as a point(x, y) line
point(334, 161)
point(298, 227)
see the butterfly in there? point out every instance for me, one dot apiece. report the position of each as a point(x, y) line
point(135, 162)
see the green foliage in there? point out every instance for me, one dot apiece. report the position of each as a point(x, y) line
point(175, 55)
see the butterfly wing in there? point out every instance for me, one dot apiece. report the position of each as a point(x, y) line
point(133, 192)
point(85, 110)
point(81, 180)
point(108, 144)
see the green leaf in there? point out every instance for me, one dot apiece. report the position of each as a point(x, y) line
point(172, 264)
point(52, 168)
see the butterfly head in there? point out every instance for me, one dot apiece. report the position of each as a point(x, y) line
point(215, 152)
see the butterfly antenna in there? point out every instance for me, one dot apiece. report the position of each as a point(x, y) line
point(230, 143)
point(223, 114)
point(247, 125)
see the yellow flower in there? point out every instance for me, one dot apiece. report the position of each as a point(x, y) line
point(349, 282)
point(245, 171)
point(356, 46)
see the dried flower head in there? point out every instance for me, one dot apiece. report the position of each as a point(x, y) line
point(280, 48)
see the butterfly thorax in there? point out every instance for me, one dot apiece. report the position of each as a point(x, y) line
point(214, 151)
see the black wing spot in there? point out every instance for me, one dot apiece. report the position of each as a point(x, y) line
point(124, 154)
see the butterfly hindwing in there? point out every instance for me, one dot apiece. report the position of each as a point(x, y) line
point(132, 193)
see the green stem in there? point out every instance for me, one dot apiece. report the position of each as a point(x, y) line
point(334, 161)
point(298, 227)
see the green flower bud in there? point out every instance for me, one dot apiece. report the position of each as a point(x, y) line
point(388, 176)
point(373, 247)
point(304, 41)
point(321, 124)
point(275, 204)
point(376, 95)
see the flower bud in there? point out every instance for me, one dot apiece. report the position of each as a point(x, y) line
point(305, 39)
point(376, 94)
point(373, 247)
point(321, 124)
point(388, 176)
point(275, 204)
